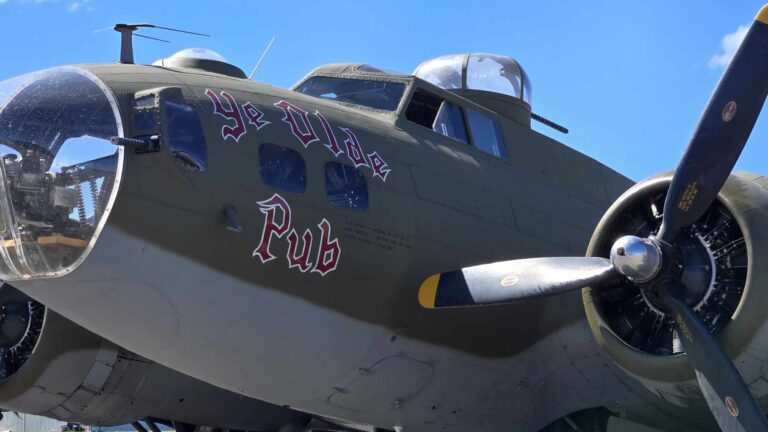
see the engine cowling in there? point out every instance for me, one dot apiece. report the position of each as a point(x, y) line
point(724, 249)
point(50, 366)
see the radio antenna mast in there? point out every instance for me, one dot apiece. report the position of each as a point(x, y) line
point(262, 57)
point(126, 38)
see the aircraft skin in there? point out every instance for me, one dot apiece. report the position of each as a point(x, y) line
point(344, 337)
point(76, 376)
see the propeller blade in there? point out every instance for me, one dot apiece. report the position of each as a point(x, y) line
point(728, 397)
point(723, 129)
point(510, 281)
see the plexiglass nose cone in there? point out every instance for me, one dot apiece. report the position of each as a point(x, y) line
point(58, 173)
point(638, 259)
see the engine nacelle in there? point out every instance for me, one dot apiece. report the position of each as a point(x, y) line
point(725, 249)
point(50, 366)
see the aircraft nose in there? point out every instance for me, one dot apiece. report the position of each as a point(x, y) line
point(59, 171)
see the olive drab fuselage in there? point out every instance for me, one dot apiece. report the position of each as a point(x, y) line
point(300, 287)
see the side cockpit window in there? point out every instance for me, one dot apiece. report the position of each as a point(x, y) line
point(282, 168)
point(345, 186)
point(423, 108)
point(486, 134)
point(185, 137)
point(450, 122)
point(433, 112)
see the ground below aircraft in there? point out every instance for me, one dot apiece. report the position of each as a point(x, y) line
point(183, 245)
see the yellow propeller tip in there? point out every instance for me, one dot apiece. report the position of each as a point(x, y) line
point(762, 16)
point(428, 292)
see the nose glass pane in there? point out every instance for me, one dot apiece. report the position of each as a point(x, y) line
point(59, 170)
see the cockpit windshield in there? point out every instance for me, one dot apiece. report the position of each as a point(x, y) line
point(379, 95)
point(58, 170)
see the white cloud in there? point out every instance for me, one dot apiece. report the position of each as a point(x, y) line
point(76, 5)
point(730, 44)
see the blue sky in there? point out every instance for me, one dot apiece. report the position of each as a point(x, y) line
point(629, 79)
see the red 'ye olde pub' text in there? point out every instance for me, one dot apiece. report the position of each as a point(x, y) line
point(277, 224)
point(301, 128)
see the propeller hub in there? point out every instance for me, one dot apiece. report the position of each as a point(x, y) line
point(639, 259)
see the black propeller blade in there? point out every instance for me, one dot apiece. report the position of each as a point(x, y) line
point(510, 281)
point(715, 146)
point(722, 131)
point(728, 397)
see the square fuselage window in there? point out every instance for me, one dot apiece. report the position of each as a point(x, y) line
point(346, 186)
point(282, 168)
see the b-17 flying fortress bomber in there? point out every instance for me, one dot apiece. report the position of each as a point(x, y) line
point(370, 251)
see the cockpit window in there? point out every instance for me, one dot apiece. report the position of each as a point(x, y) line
point(432, 111)
point(423, 108)
point(450, 122)
point(486, 134)
point(59, 171)
point(379, 95)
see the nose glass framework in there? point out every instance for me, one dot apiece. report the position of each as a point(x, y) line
point(59, 172)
